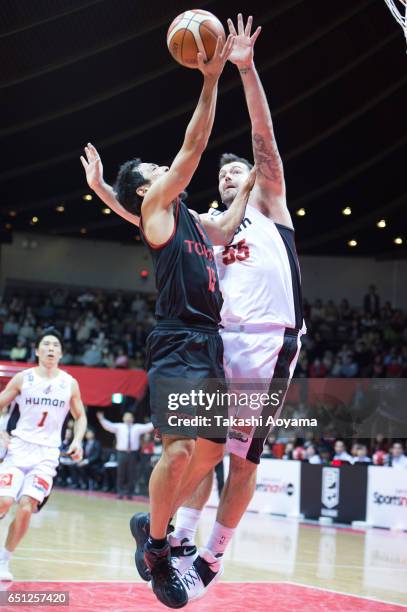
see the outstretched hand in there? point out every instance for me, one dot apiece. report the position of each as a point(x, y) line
point(243, 45)
point(248, 184)
point(213, 68)
point(93, 166)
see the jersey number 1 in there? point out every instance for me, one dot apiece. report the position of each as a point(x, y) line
point(42, 419)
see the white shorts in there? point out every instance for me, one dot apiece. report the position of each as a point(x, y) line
point(257, 361)
point(28, 469)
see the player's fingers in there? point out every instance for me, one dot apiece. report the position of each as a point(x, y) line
point(255, 35)
point(232, 28)
point(218, 47)
point(84, 162)
point(248, 28)
point(93, 150)
point(200, 61)
point(88, 154)
point(240, 27)
point(230, 47)
point(226, 51)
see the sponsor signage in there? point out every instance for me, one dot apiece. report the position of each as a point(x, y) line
point(387, 497)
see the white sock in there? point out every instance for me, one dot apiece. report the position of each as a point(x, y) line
point(5, 555)
point(186, 523)
point(219, 539)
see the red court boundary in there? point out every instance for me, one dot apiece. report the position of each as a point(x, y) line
point(234, 596)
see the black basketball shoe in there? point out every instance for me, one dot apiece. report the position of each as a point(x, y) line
point(140, 530)
point(165, 580)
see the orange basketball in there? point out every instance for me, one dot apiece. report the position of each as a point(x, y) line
point(193, 32)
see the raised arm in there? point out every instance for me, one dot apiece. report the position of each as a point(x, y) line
point(107, 425)
point(163, 191)
point(270, 184)
point(94, 175)
point(222, 229)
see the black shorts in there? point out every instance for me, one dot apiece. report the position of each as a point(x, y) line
point(185, 367)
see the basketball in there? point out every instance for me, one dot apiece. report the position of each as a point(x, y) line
point(193, 32)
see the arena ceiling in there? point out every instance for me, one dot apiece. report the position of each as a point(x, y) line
point(99, 70)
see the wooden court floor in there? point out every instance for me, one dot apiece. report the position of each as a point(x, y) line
point(83, 539)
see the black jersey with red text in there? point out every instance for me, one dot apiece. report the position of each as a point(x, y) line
point(185, 272)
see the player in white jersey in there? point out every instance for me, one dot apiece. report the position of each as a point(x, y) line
point(262, 317)
point(45, 394)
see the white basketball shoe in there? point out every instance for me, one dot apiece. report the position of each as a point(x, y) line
point(205, 571)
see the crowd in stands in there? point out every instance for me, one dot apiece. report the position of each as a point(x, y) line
point(105, 329)
point(343, 341)
point(109, 330)
point(100, 329)
point(379, 451)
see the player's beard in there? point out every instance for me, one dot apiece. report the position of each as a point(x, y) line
point(228, 196)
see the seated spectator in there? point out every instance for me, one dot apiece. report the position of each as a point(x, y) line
point(360, 454)
point(27, 330)
point(10, 327)
point(92, 356)
point(19, 351)
point(341, 453)
point(88, 470)
point(397, 458)
point(317, 369)
point(107, 358)
point(349, 367)
point(47, 310)
point(311, 455)
point(336, 370)
point(288, 451)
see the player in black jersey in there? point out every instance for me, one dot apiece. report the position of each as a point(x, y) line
point(185, 349)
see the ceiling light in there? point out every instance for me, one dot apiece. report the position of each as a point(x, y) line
point(60, 208)
point(106, 211)
point(398, 240)
point(34, 220)
point(214, 204)
point(381, 223)
point(301, 212)
point(352, 243)
point(83, 230)
point(347, 211)
point(12, 213)
point(8, 226)
point(88, 197)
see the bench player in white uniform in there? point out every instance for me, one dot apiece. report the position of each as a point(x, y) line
point(45, 395)
point(262, 316)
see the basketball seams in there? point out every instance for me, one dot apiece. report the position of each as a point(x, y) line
point(203, 29)
point(183, 36)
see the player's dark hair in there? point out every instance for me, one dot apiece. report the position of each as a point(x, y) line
point(49, 331)
point(228, 158)
point(127, 181)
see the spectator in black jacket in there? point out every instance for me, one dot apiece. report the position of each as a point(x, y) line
point(88, 470)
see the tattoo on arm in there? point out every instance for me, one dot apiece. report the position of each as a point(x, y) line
point(244, 70)
point(267, 158)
